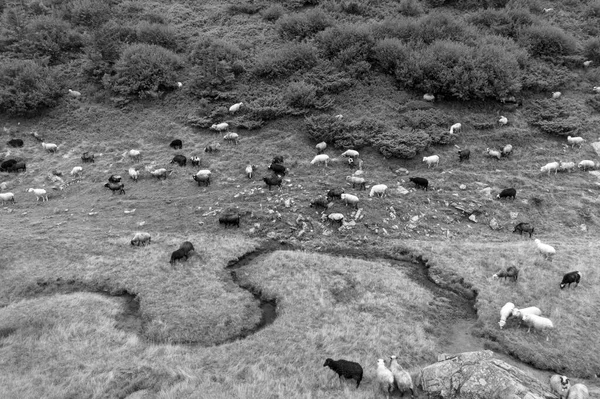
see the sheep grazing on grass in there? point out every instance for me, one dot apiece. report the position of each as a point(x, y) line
point(385, 378)
point(235, 108)
point(202, 176)
point(134, 174)
point(13, 166)
point(569, 278)
point(402, 379)
point(50, 147)
point(87, 157)
point(278, 169)
point(16, 143)
point(212, 147)
point(135, 155)
point(187, 247)
point(545, 250)
point(505, 312)
point(320, 202)
point(335, 193)
point(336, 218)
point(566, 166)
point(179, 254)
point(556, 95)
point(230, 219)
point(220, 127)
point(350, 199)
point(195, 161)
point(180, 160)
point(432, 160)
point(161, 173)
point(7, 197)
point(114, 179)
point(273, 181)
point(176, 144)
point(507, 150)
point(76, 171)
point(350, 154)
point(357, 180)
point(232, 138)
point(575, 140)
point(428, 97)
point(457, 127)
point(511, 272)
point(586, 164)
point(538, 323)
point(493, 153)
point(518, 313)
point(420, 182)
point(321, 147)
point(250, 170)
point(141, 238)
point(114, 187)
point(560, 385)
point(321, 158)
point(463, 155)
point(549, 167)
point(578, 391)
point(507, 193)
point(39, 193)
point(503, 120)
point(347, 369)
point(278, 159)
point(379, 189)
point(524, 228)
point(587, 63)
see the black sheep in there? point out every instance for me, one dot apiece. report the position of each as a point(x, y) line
point(15, 143)
point(114, 179)
point(187, 246)
point(7, 165)
point(319, 202)
point(17, 166)
point(273, 181)
point(335, 193)
point(87, 157)
point(524, 228)
point(230, 219)
point(181, 253)
point(176, 144)
point(420, 182)
point(571, 277)
point(278, 168)
point(510, 272)
point(120, 187)
point(278, 159)
point(346, 369)
point(507, 193)
point(179, 160)
point(464, 154)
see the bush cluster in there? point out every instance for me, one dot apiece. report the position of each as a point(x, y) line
point(273, 13)
point(90, 13)
point(293, 57)
point(299, 26)
point(591, 50)
point(539, 76)
point(504, 22)
point(556, 117)
point(547, 41)
point(303, 96)
point(424, 30)
point(346, 45)
point(51, 37)
point(156, 33)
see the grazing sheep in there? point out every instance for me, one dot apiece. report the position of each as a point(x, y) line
point(524, 228)
point(518, 313)
point(7, 165)
point(232, 137)
point(560, 385)
point(503, 120)
point(179, 85)
point(177, 255)
point(7, 197)
point(278, 169)
point(464, 154)
point(212, 147)
point(578, 391)
point(76, 171)
point(566, 166)
point(321, 147)
point(336, 218)
point(250, 170)
point(141, 238)
point(547, 251)
point(50, 147)
point(87, 157)
point(402, 379)
point(457, 127)
point(321, 158)
point(15, 167)
point(385, 378)
point(587, 63)
point(420, 182)
point(74, 94)
point(15, 143)
point(507, 150)
point(187, 247)
point(230, 219)
point(273, 181)
point(511, 272)
point(278, 159)
point(549, 167)
point(160, 173)
point(136, 155)
point(350, 199)
point(114, 187)
point(505, 312)
point(379, 189)
point(220, 127)
point(321, 202)
point(195, 161)
point(134, 174)
point(493, 153)
point(538, 323)
point(202, 176)
point(586, 164)
point(39, 193)
point(235, 107)
point(428, 97)
point(176, 144)
point(347, 369)
point(335, 193)
point(357, 180)
point(350, 154)
point(432, 160)
point(180, 160)
point(556, 94)
point(596, 89)
point(507, 193)
point(571, 277)
point(339, 117)
point(575, 140)
point(114, 179)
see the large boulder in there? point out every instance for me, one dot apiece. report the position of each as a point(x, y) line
point(477, 375)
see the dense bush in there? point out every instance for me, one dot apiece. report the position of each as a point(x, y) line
point(144, 68)
point(283, 62)
point(503, 22)
point(410, 8)
point(273, 13)
point(593, 9)
point(591, 49)
point(346, 44)
point(388, 53)
point(547, 41)
point(244, 8)
point(266, 108)
point(159, 34)
point(302, 95)
point(540, 76)
point(424, 30)
point(104, 47)
point(26, 87)
point(51, 37)
point(207, 50)
point(328, 79)
point(299, 26)
point(91, 13)
point(401, 143)
point(556, 117)
point(424, 118)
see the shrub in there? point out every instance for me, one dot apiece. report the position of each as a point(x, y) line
point(591, 50)
point(299, 26)
point(158, 34)
point(401, 143)
point(104, 47)
point(266, 108)
point(547, 41)
point(215, 63)
point(503, 22)
point(273, 13)
point(144, 67)
point(356, 134)
point(90, 13)
point(51, 37)
point(328, 79)
point(388, 53)
point(593, 9)
point(440, 26)
point(541, 76)
point(244, 8)
point(401, 28)
point(283, 62)
point(410, 8)
point(353, 7)
point(424, 118)
point(594, 103)
point(346, 44)
point(302, 95)
point(208, 49)
point(556, 117)
point(27, 87)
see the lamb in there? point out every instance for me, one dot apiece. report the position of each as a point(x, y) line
point(141, 238)
point(220, 127)
point(321, 158)
point(50, 147)
point(575, 140)
point(202, 176)
point(503, 120)
point(134, 174)
point(230, 219)
point(545, 250)
point(180, 160)
point(505, 312)
point(273, 181)
point(586, 164)
point(336, 218)
point(560, 385)
point(556, 95)
point(320, 202)
point(212, 147)
point(432, 160)
point(350, 199)
point(160, 173)
point(235, 107)
point(195, 161)
point(176, 144)
point(335, 193)
point(464, 154)
point(379, 189)
point(385, 378)
point(177, 255)
point(402, 379)
point(278, 169)
point(76, 171)
point(250, 170)
point(566, 166)
point(74, 94)
point(538, 322)
point(357, 180)
point(114, 187)
point(506, 151)
point(571, 277)
point(524, 227)
point(428, 97)
point(15, 143)
point(87, 157)
point(232, 137)
point(39, 193)
point(420, 182)
point(455, 128)
point(114, 179)
point(493, 153)
point(510, 272)
point(507, 193)
point(350, 154)
point(347, 369)
point(321, 147)
point(7, 197)
point(578, 391)
point(136, 155)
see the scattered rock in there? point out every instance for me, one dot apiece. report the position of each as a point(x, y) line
point(487, 192)
point(595, 173)
point(401, 171)
point(93, 213)
point(473, 219)
point(288, 203)
point(514, 215)
point(583, 227)
point(462, 187)
point(494, 224)
point(414, 219)
point(129, 211)
point(596, 147)
point(402, 190)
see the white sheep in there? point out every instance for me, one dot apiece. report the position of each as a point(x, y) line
point(596, 89)
point(339, 117)
point(566, 166)
point(235, 107)
point(249, 170)
point(503, 120)
point(518, 313)
point(179, 85)
point(547, 251)
point(357, 180)
point(507, 150)
point(378, 189)
point(493, 153)
point(136, 155)
point(575, 140)
point(586, 164)
point(50, 147)
point(505, 312)
point(321, 158)
point(134, 174)
point(432, 160)
point(220, 127)
point(158, 173)
point(560, 385)
point(385, 378)
point(587, 63)
point(350, 199)
point(578, 391)
point(39, 193)
point(549, 167)
point(76, 171)
point(402, 378)
point(455, 128)
point(556, 94)
point(7, 197)
point(141, 238)
point(350, 153)
point(428, 97)
point(232, 137)
point(538, 322)
point(321, 147)
point(336, 218)
point(74, 94)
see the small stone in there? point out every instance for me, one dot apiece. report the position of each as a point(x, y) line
point(473, 219)
point(401, 171)
point(414, 219)
point(402, 190)
point(583, 227)
point(494, 224)
point(462, 187)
